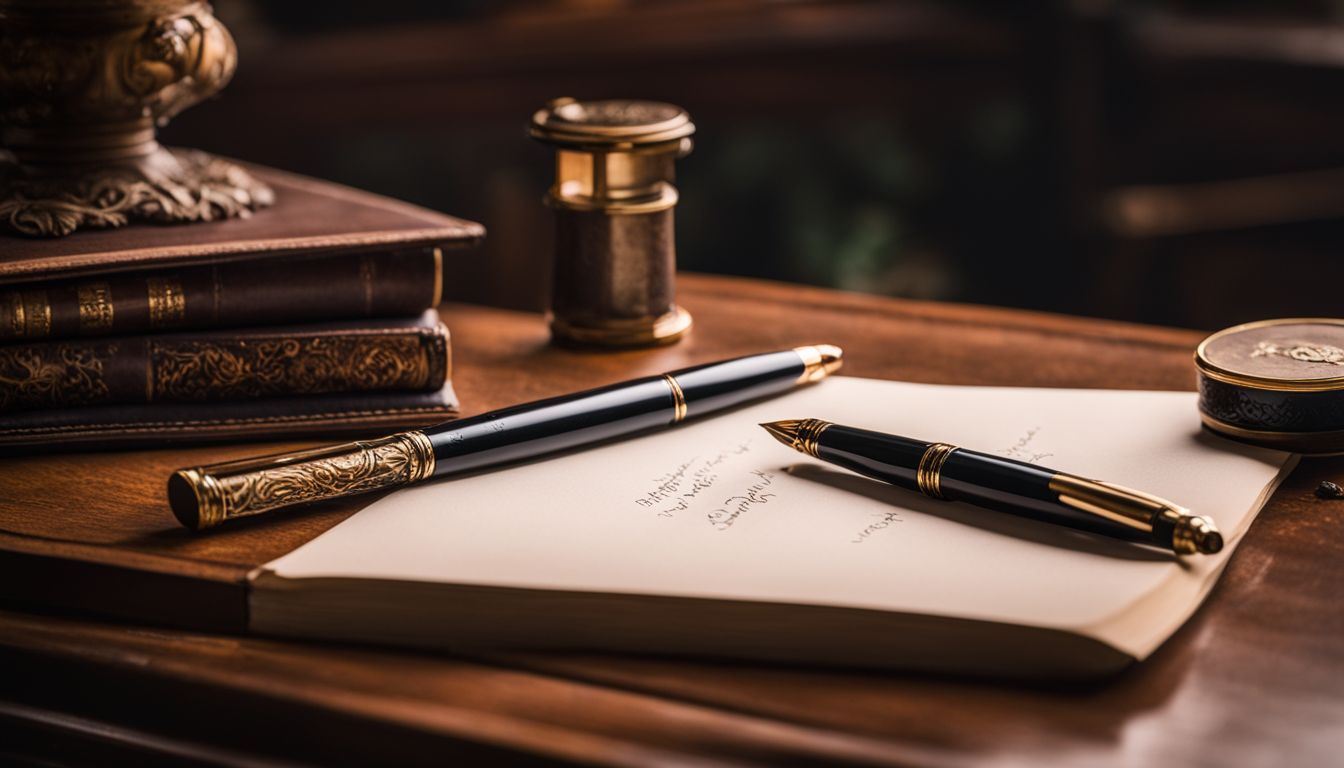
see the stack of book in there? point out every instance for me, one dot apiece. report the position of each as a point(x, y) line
point(315, 316)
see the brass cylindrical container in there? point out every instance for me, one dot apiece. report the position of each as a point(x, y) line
point(1276, 383)
point(615, 254)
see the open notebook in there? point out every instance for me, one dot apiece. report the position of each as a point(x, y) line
point(712, 539)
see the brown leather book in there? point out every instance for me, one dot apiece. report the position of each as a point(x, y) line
point(106, 427)
point(369, 356)
point(310, 217)
point(295, 289)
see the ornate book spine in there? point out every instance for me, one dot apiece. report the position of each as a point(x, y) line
point(270, 291)
point(238, 365)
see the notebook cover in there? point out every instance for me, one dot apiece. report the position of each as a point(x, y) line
point(309, 216)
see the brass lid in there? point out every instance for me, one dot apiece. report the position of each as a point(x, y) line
point(1290, 355)
point(610, 123)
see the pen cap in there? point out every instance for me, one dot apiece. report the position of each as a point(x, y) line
point(203, 497)
point(1276, 383)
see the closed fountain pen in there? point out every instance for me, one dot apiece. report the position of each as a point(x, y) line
point(951, 473)
point(203, 497)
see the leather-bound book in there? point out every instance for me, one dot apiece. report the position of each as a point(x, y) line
point(263, 291)
point(121, 337)
point(154, 425)
point(322, 252)
point(264, 362)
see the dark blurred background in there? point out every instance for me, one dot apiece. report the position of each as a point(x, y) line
point(1168, 162)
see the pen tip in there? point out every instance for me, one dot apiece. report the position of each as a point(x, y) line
point(783, 431)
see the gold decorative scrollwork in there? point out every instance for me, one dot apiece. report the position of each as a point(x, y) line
point(70, 374)
point(199, 370)
point(180, 186)
point(239, 489)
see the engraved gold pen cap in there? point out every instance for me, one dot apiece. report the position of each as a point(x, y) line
point(203, 497)
point(1276, 383)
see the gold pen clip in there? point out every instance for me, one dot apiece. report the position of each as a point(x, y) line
point(1141, 511)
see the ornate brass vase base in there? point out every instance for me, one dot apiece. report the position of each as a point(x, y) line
point(167, 186)
point(83, 86)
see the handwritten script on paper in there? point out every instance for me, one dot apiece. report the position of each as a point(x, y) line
point(1023, 450)
point(884, 521)
point(711, 486)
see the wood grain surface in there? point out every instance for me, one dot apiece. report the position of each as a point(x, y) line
point(1256, 677)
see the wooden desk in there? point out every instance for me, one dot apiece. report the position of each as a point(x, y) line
point(1257, 676)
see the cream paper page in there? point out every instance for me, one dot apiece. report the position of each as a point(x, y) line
point(717, 508)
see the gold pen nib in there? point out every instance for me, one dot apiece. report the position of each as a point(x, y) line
point(785, 432)
point(798, 434)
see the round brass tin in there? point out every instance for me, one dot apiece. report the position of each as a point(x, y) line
point(1277, 383)
point(613, 197)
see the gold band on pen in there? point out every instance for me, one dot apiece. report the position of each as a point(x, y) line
point(678, 398)
point(929, 474)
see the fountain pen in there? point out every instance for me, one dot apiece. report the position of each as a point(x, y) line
point(203, 497)
point(948, 472)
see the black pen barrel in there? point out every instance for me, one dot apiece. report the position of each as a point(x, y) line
point(583, 418)
point(713, 387)
point(981, 479)
point(527, 431)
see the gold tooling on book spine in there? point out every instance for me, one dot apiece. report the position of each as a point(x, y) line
point(95, 306)
point(167, 302)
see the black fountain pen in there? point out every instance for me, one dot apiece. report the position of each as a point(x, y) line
point(947, 472)
point(203, 497)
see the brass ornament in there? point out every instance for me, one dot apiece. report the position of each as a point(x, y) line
point(615, 253)
point(83, 85)
point(204, 497)
point(1306, 340)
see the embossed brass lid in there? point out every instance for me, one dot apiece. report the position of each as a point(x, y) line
point(1278, 383)
point(1290, 354)
point(610, 123)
